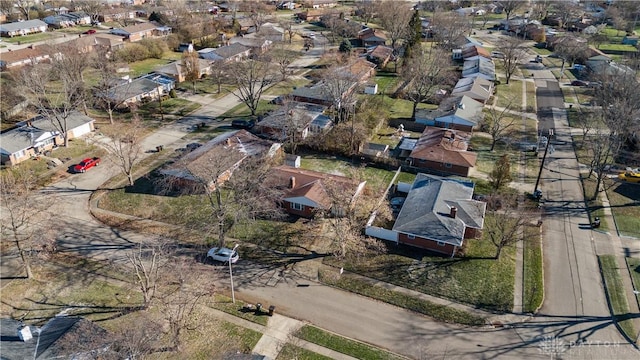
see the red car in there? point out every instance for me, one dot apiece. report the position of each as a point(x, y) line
point(86, 164)
point(89, 32)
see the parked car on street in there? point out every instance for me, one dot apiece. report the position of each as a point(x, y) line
point(579, 83)
point(86, 164)
point(223, 255)
point(89, 32)
point(631, 177)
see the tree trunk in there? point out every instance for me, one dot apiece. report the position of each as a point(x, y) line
point(110, 112)
point(493, 143)
point(413, 111)
point(130, 177)
point(23, 257)
point(498, 252)
point(598, 182)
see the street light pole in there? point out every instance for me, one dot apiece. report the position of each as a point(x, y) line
point(233, 295)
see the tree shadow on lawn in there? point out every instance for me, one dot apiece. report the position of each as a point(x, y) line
point(630, 191)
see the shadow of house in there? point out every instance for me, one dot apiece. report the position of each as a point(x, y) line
point(438, 215)
point(62, 337)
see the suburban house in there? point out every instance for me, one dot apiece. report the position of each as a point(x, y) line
point(306, 192)
point(62, 337)
point(227, 53)
point(477, 89)
point(443, 151)
point(458, 113)
point(479, 67)
point(314, 94)
point(360, 69)
point(380, 55)
point(134, 91)
point(35, 136)
point(438, 214)
point(257, 45)
point(21, 28)
point(67, 20)
point(177, 69)
point(295, 119)
point(470, 50)
point(310, 15)
point(138, 32)
point(605, 66)
point(116, 14)
point(92, 42)
point(28, 56)
point(369, 37)
point(317, 4)
point(219, 157)
point(271, 32)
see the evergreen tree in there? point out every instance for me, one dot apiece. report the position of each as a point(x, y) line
point(345, 46)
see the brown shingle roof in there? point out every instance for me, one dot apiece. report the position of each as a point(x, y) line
point(444, 146)
point(10, 57)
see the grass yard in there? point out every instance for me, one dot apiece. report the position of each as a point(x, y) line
point(629, 49)
point(625, 205)
point(146, 66)
point(30, 38)
point(616, 294)
point(242, 111)
point(290, 351)
point(287, 86)
point(476, 279)
point(533, 282)
point(175, 106)
point(634, 270)
point(343, 345)
point(531, 96)
point(225, 304)
point(205, 86)
point(400, 108)
point(594, 207)
point(510, 93)
point(542, 51)
point(387, 83)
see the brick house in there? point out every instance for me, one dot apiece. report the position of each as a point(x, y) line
point(443, 151)
point(116, 14)
point(305, 192)
point(138, 32)
point(28, 56)
point(21, 28)
point(439, 214)
point(458, 113)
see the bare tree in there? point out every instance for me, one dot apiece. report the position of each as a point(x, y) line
point(395, 16)
point(138, 340)
point(219, 71)
point(191, 64)
point(366, 10)
point(107, 94)
point(501, 173)
point(125, 145)
point(424, 73)
point(282, 58)
point(510, 6)
point(259, 13)
point(92, 8)
point(146, 264)
point(497, 122)
point(514, 50)
point(505, 227)
point(252, 77)
point(340, 87)
point(55, 94)
point(602, 145)
point(287, 25)
point(540, 9)
point(448, 27)
point(570, 49)
point(24, 7)
point(23, 218)
point(180, 298)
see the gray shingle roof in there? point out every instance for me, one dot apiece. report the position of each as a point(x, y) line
point(15, 26)
point(426, 210)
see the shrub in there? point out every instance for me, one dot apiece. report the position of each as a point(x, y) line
point(155, 47)
point(172, 94)
point(132, 53)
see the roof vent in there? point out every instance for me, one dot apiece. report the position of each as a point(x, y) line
point(453, 212)
point(24, 333)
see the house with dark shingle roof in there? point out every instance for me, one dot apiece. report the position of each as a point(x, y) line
point(296, 119)
point(306, 192)
point(177, 70)
point(380, 55)
point(478, 89)
point(28, 56)
point(479, 66)
point(443, 151)
point(227, 53)
point(62, 337)
point(215, 161)
point(439, 214)
point(458, 112)
point(141, 31)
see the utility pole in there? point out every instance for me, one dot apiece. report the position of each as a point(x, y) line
point(544, 157)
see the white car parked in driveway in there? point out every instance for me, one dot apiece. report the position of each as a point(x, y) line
point(223, 255)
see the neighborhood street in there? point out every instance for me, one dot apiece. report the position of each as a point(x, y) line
point(574, 322)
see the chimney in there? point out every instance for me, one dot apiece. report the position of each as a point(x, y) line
point(292, 182)
point(453, 212)
point(24, 333)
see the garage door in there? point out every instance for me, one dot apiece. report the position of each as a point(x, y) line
point(81, 130)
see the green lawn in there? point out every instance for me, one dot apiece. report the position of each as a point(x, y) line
point(531, 96)
point(290, 351)
point(542, 52)
point(30, 38)
point(387, 83)
point(142, 67)
point(618, 47)
point(509, 94)
point(533, 283)
point(616, 294)
point(343, 345)
point(625, 205)
point(225, 304)
point(175, 106)
point(400, 108)
point(241, 110)
point(476, 279)
point(286, 87)
point(634, 270)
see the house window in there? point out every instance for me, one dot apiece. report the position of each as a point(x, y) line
point(19, 154)
point(447, 165)
point(47, 142)
point(411, 236)
point(296, 206)
point(440, 243)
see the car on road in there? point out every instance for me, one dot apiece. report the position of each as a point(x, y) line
point(538, 59)
point(223, 255)
point(86, 164)
point(243, 123)
point(629, 176)
point(579, 83)
point(497, 55)
point(89, 32)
